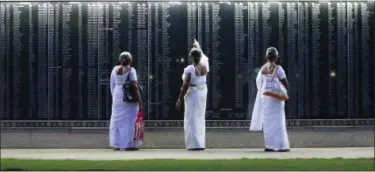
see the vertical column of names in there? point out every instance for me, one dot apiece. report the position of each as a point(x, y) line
point(20, 12)
point(342, 54)
point(53, 60)
point(332, 45)
point(142, 48)
point(116, 14)
point(130, 22)
point(118, 28)
point(200, 24)
point(92, 55)
point(354, 48)
point(104, 63)
point(283, 30)
point(371, 53)
point(366, 62)
point(66, 62)
point(253, 49)
point(8, 72)
point(191, 23)
point(2, 62)
point(241, 60)
point(303, 60)
point(122, 29)
point(106, 52)
point(33, 50)
point(33, 94)
point(291, 55)
point(81, 65)
point(215, 38)
point(156, 60)
point(42, 61)
point(166, 59)
point(315, 55)
point(266, 29)
point(227, 48)
point(204, 24)
point(149, 62)
point(283, 48)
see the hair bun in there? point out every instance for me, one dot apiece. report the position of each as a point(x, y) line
point(272, 51)
point(195, 52)
point(124, 56)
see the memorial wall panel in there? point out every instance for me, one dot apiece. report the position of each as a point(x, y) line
point(56, 57)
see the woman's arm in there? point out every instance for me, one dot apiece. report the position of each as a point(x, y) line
point(204, 58)
point(282, 76)
point(112, 80)
point(197, 45)
point(137, 93)
point(285, 82)
point(133, 83)
point(184, 89)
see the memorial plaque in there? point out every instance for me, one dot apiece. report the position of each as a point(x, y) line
point(56, 57)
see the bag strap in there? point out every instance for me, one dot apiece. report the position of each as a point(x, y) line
point(274, 71)
point(128, 78)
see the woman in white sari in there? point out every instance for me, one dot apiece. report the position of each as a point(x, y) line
point(268, 113)
point(194, 92)
point(124, 114)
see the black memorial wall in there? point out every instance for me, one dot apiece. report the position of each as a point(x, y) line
point(56, 57)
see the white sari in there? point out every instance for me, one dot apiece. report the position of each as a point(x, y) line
point(124, 115)
point(269, 115)
point(195, 110)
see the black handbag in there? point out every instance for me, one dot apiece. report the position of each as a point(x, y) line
point(129, 94)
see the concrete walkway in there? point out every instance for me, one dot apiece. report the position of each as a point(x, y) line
point(108, 154)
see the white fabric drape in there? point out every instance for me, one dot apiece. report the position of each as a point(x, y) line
point(195, 110)
point(269, 115)
point(195, 117)
point(124, 115)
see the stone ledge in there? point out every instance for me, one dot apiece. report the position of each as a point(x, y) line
point(300, 137)
point(208, 154)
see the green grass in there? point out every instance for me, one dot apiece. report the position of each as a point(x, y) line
point(363, 164)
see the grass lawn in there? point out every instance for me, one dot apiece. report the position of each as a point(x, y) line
point(363, 164)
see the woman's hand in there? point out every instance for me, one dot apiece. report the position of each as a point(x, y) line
point(184, 88)
point(178, 104)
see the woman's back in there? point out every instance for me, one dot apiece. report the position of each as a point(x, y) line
point(195, 78)
point(121, 77)
point(273, 70)
point(118, 79)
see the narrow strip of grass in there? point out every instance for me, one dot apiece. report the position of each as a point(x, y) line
point(363, 164)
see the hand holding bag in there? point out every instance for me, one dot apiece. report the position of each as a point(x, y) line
point(139, 129)
point(274, 88)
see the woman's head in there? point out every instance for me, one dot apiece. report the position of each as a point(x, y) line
point(196, 54)
point(272, 54)
point(125, 58)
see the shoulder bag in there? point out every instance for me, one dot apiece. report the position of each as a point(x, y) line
point(129, 93)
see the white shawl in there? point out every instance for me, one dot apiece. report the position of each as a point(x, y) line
point(257, 116)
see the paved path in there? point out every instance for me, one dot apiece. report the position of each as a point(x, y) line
point(107, 154)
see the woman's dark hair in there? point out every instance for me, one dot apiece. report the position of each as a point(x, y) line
point(196, 54)
point(272, 54)
point(125, 58)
